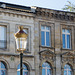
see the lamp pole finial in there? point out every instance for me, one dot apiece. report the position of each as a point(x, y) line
point(20, 27)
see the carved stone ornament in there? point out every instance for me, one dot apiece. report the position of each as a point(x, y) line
point(47, 55)
point(43, 13)
point(68, 56)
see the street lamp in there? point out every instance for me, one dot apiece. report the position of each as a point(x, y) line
point(21, 43)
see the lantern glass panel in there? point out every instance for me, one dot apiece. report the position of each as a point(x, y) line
point(21, 43)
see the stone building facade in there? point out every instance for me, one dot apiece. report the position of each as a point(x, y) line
point(51, 40)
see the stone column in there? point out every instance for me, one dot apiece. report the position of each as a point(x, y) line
point(36, 48)
point(58, 65)
point(58, 47)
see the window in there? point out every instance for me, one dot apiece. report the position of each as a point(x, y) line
point(67, 70)
point(2, 69)
point(25, 70)
point(66, 37)
point(45, 36)
point(46, 69)
point(3, 37)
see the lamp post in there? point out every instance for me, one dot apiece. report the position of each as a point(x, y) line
point(21, 43)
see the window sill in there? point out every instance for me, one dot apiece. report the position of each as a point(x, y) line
point(47, 47)
point(65, 49)
point(3, 49)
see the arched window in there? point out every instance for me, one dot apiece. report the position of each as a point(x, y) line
point(25, 70)
point(46, 69)
point(67, 70)
point(2, 68)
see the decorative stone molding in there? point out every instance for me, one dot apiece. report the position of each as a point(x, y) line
point(55, 14)
point(47, 55)
point(68, 56)
point(16, 14)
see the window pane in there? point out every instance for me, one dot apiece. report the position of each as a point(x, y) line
point(42, 27)
point(69, 72)
point(63, 30)
point(47, 28)
point(18, 72)
point(48, 72)
point(2, 33)
point(63, 38)
point(18, 66)
point(43, 72)
point(42, 38)
point(68, 31)
point(47, 65)
point(68, 41)
point(67, 67)
point(3, 72)
point(47, 39)
point(2, 65)
point(2, 37)
point(24, 67)
point(65, 72)
point(25, 73)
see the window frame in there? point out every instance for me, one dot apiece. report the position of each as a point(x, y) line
point(71, 28)
point(7, 36)
point(52, 29)
point(45, 35)
point(65, 33)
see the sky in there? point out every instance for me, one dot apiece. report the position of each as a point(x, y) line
point(51, 4)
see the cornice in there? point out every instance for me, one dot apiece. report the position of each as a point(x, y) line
point(54, 14)
point(15, 13)
point(15, 7)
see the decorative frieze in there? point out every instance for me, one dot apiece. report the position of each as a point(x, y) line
point(54, 15)
point(68, 56)
point(47, 55)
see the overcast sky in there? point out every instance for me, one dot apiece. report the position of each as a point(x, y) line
point(51, 4)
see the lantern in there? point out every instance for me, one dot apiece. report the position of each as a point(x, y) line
point(21, 39)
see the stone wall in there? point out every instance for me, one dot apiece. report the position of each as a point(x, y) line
point(37, 54)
